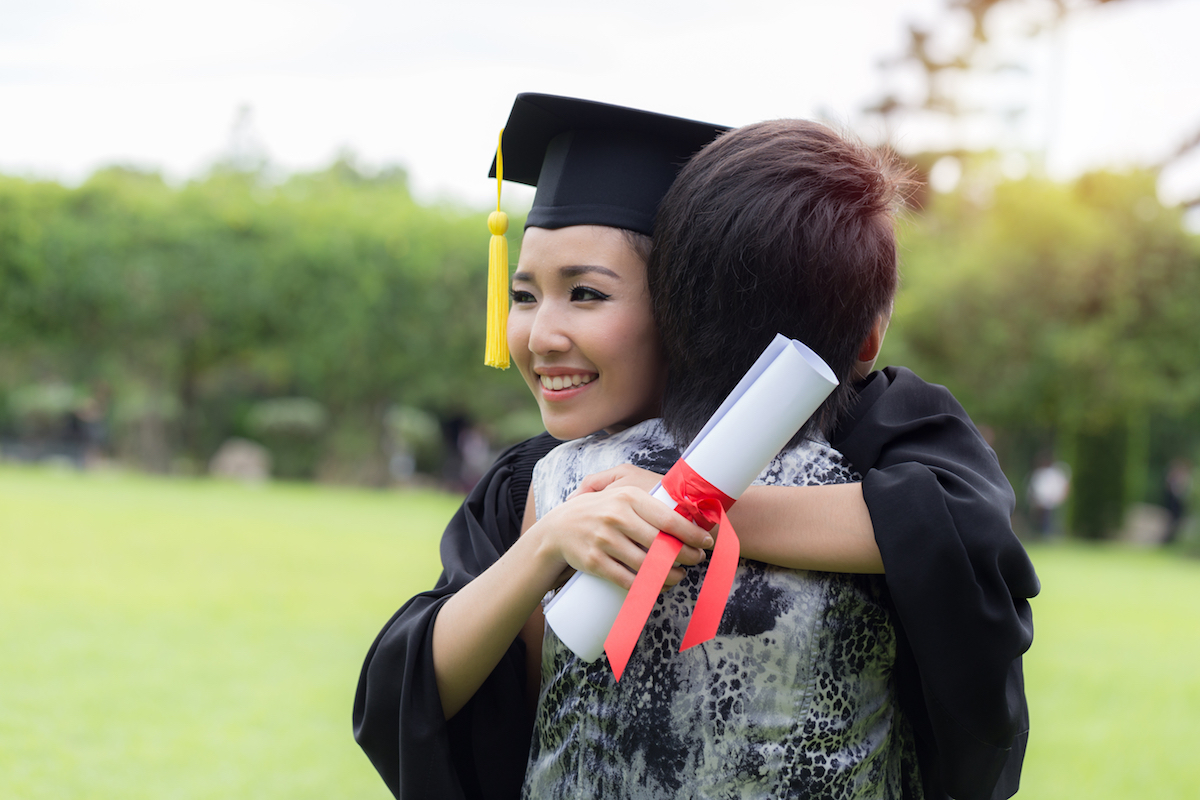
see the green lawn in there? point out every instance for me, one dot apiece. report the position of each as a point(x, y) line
point(1113, 677)
point(193, 639)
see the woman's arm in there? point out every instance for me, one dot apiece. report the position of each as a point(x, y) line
point(825, 528)
point(534, 629)
point(477, 625)
point(604, 533)
point(398, 717)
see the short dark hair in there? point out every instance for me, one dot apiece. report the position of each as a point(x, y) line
point(777, 227)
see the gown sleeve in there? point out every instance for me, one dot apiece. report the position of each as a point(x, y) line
point(481, 752)
point(959, 579)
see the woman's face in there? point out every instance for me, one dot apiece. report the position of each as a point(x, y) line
point(581, 330)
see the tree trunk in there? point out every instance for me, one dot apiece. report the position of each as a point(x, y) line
point(1099, 481)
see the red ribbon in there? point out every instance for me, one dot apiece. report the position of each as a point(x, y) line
point(704, 504)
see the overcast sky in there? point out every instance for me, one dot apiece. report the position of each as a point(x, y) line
point(428, 84)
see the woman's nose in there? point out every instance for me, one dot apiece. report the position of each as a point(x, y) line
point(548, 334)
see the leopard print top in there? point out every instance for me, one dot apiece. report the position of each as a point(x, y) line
point(792, 699)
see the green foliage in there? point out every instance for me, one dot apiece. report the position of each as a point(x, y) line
point(209, 298)
point(299, 417)
point(1052, 310)
point(291, 428)
point(1051, 307)
point(38, 409)
point(414, 437)
point(1097, 504)
point(1056, 303)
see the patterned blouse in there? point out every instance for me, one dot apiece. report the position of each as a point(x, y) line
point(793, 698)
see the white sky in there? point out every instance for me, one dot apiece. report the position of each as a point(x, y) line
point(428, 83)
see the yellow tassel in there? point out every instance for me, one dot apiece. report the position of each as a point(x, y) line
point(496, 351)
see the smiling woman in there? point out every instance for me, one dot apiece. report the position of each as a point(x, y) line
point(459, 667)
point(581, 330)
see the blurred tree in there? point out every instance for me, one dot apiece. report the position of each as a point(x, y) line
point(205, 299)
point(1093, 341)
point(1055, 307)
point(964, 43)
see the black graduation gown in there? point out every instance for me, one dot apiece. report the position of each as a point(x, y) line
point(958, 577)
point(398, 720)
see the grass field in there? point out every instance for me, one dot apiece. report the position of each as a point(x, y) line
point(193, 639)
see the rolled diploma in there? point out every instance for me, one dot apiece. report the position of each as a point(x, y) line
point(786, 385)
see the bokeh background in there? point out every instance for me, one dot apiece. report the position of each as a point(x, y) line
point(242, 259)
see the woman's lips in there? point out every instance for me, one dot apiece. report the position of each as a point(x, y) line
point(565, 387)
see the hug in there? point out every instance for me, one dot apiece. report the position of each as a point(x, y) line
point(873, 639)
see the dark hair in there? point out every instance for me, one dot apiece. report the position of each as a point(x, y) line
point(777, 227)
point(639, 243)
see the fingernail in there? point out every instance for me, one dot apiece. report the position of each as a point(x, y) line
point(708, 542)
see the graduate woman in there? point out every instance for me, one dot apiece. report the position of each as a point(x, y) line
point(915, 446)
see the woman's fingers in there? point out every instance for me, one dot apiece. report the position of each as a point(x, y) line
point(634, 515)
point(623, 475)
point(618, 571)
point(663, 518)
point(597, 482)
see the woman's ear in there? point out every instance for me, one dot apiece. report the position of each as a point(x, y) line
point(869, 350)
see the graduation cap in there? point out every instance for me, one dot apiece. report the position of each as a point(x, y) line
point(593, 164)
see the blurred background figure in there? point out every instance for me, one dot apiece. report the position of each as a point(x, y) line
point(1176, 488)
point(1049, 485)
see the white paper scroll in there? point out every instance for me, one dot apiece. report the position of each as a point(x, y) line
point(786, 385)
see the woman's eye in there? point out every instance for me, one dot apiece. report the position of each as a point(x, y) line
point(583, 293)
point(520, 296)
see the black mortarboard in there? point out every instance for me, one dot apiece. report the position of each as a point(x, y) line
point(594, 163)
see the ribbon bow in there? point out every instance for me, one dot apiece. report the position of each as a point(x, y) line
point(706, 505)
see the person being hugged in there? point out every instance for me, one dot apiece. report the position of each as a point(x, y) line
point(778, 228)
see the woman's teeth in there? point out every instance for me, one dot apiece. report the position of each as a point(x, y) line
point(564, 381)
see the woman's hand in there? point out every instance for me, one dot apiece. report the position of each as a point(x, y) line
point(624, 475)
point(606, 527)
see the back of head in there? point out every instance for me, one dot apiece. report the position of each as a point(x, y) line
point(777, 227)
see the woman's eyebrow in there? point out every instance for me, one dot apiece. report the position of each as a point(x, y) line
point(569, 272)
point(575, 272)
